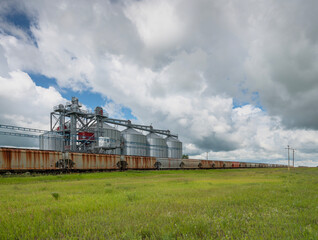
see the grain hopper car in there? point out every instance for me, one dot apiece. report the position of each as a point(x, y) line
point(28, 160)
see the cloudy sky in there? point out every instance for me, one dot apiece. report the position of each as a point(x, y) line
point(236, 79)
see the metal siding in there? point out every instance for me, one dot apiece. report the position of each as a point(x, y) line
point(191, 163)
point(111, 132)
point(139, 162)
point(157, 146)
point(225, 164)
point(206, 164)
point(174, 148)
point(242, 165)
point(85, 161)
point(169, 163)
point(51, 141)
point(235, 165)
point(27, 159)
point(217, 164)
point(135, 143)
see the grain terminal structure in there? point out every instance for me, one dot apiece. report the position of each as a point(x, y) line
point(80, 140)
point(75, 130)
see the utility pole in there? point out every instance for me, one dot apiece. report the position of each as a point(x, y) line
point(294, 158)
point(288, 155)
point(207, 155)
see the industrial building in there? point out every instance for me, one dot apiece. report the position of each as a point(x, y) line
point(80, 140)
point(73, 129)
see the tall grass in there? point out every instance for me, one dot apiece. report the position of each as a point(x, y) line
point(207, 204)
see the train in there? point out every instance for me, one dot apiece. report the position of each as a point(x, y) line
point(33, 160)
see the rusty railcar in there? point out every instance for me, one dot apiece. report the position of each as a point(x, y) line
point(86, 161)
point(227, 164)
point(217, 164)
point(190, 164)
point(139, 162)
point(19, 160)
point(242, 165)
point(235, 164)
point(168, 163)
point(12, 159)
point(206, 164)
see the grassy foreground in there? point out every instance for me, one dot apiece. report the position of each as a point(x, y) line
point(198, 204)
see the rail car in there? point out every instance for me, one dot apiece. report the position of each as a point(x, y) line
point(23, 160)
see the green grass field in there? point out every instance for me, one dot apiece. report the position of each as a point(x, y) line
point(193, 204)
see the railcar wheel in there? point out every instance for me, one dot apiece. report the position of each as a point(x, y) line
point(182, 165)
point(157, 165)
point(64, 164)
point(122, 165)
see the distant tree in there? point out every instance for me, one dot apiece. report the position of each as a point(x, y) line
point(185, 156)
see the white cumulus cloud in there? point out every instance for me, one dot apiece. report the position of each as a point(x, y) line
point(234, 79)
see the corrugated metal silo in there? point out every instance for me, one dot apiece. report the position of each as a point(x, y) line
point(157, 146)
point(135, 143)
point(174, 147)
point(51, 141)
point(106, 130)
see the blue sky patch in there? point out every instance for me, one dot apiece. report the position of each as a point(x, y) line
point(254, 100)
point(88, 98)
point(21, 21)
point(238, 103)
point(125, 110)
point(43, 81)
point(128, 114)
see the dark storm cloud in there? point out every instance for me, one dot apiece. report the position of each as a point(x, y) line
point(215, 144)
point(283, 65)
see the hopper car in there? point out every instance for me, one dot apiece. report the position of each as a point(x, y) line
point(31, 160)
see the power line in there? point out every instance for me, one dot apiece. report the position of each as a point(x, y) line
point(288, 148)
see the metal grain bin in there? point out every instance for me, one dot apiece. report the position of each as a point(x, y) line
point(52, 141)
point(174, 147)
point(114, 135)
point(135, 143)
point(157, 146)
